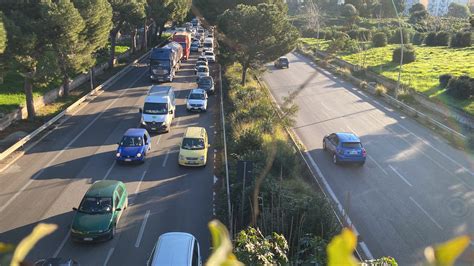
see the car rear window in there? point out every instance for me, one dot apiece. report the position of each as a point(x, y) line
point(351, 145)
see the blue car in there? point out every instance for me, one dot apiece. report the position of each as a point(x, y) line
point(133, 147)
point(345, 147)
point(195, 46)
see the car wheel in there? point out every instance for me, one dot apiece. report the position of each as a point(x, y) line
point(334, 159)
point(324, 145)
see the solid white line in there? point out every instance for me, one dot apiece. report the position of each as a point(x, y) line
point(61, 245)
point(353, 131)
point(142, 229)
point(139, 183)
point(403, 178)
point(110, 170)
point(376, 163)
point(111, 251)
point(366, 250)
point(426, 213)
point(67, 146)
point(440, 152)
point(158, 141)
point(166, 158)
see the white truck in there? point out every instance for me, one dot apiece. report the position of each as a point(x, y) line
point(159, 109)
point(208, 44)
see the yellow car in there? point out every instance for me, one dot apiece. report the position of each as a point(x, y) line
point(193, 149)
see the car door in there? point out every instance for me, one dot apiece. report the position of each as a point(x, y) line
point(331, 144)
point(118, 203)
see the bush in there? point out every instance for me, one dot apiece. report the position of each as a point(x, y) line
point(444, 80)
point(430, 39)
point(395, 38)
point(408, 54)
point(328, 35)
point(442, 38)
point(354, 34)
point(380, 90)
point(418, 38)
point(379, 39)
point(460, 87)
point(461, 39)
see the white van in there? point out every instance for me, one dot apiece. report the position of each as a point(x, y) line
point(159, 109)
point(208, 44)
point(176, 249)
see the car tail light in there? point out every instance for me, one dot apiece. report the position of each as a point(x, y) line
point(364, 152)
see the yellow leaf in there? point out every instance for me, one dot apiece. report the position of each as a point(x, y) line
point(222, 254)
point(445, 254)
point(29, 242)
point(341, 248)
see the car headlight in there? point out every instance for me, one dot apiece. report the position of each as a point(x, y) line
point(202, 158)
point(139, 155)
point(75, 231)
point(118, 154)
point(181, 157)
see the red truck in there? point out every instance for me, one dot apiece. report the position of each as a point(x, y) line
point(183, 38)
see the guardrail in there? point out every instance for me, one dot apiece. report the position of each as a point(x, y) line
point(90, 95)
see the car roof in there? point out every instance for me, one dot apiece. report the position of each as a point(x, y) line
point(174, 248)
point(135, 132)
point(203, 66)
point(103, 188)
point(193, 132)
point(283, 57)
point(347, 137)
point(204, 78)
point(197, 91)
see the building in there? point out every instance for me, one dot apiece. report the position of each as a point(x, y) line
point(440, 7)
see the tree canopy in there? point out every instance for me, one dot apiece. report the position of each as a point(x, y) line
point(3, 35)
point(458, 11)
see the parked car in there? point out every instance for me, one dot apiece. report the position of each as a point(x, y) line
point(345, 147)
point(202, 71)
point(99, 212)
point(282, 62)
point(207, 84)
point(197, 100)
point(194, 146)
point(56, 262)
point(176, 249)
point(133, 147)
point(195, 46)
point(211, 57)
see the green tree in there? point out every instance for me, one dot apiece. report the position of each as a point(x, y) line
point(458, 11)
point(258, 34)
point(350, 13)
point(252, 248)
point(65, 36)
point(162, 11)
point(418, 13)
point(3, 35)
point(385, 8)
point(123, 11)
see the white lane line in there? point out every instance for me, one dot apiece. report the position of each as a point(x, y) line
point(56, 253)
point(109, 170)
point(350, 129)
point(67, 146)
point(440, 152)
point(378, 165)
point(366, 250)
point(142, 229)
point(325, 106)
point(158, 141)
point(426, 213)
point(400, 175)
point(111, 251)
point(134, 197)
point(166, 158)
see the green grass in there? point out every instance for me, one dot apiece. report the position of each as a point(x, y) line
point(319, 44)
point(120, 49)
point(422, 75)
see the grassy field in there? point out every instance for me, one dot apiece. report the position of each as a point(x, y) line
point(319, 44)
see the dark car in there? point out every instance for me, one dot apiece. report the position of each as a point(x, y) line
point(282, 62)
point(207, 84)
point(344, 147)
point(56, 262)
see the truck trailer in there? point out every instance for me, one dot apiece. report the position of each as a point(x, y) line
point(183, 38)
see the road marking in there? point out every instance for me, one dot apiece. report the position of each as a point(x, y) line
point(350, 129)
point(67, 146)
point(440, 152)
point(325, 106)
point(400, 175)
point(379, 104)
point(166, 158)
point(142, 229)
point(109, 170)
point(56, 253)
point(159, 138)
point(426, 213)
point(366, 250)
point(111, 251)
point(376, 163)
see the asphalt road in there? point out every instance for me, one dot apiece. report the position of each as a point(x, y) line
point(414, 190)
point(52, 177)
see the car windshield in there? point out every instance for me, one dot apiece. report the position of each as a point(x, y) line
point(96, 205)
point(197, 96)
point(283, 60)
point(203, 69)
point(205, 81)
point(129, 141)
point(351, 145)
point(209, 53)
point(193, 144)
point(155, 108)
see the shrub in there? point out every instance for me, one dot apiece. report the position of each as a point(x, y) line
point(395, 38)
point(322, 34)
point(418, 38)
point(430, 39)
point(379, 39)
point(380, 90)
point(364, 35)
point(408, 54)
point(328, 35)
point(444, 80)
point(442, 38)
point(460, 87)
point(461, 39)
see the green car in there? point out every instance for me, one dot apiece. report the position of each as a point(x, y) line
point(99, 212)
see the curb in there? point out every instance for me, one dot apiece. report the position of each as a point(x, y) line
point(89, 96)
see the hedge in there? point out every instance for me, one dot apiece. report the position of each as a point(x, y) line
point(379, 39)
point(408, 54)
point(461, 39)
point(444, 80)
point(461, 87)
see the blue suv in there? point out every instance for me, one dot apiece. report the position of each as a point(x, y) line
point(134, 145)
point(345, 147)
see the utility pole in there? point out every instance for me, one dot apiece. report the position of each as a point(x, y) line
point(401, 50)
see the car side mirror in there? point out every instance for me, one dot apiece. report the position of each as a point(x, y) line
point(118, 209)
point(74, 209)
point(140, 110)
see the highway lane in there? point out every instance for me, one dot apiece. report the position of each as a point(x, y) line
point(52, 177)
point(415, 189)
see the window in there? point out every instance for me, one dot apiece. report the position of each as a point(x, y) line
point(116, 200)
point(193, 144)
point(352, 145)
point(146, 141)
point(120, 191)
point(129, 141)
point(93, 205)
point(155, 108)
